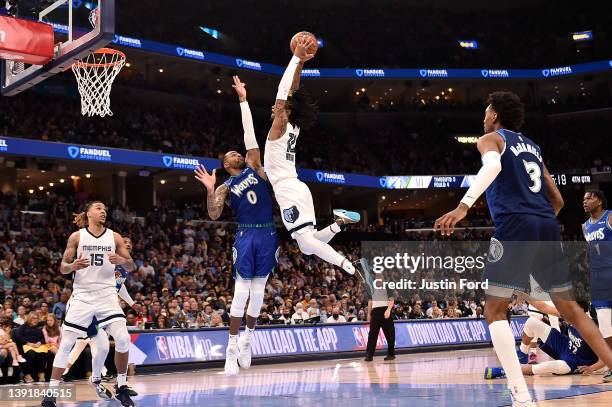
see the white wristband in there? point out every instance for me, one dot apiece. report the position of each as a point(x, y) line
point(491, 166)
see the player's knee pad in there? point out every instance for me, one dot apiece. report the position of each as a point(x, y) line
point(241, 295)
point(307, 242)
point(69, 338)
point(256, 299)
point(118, 330)
point(604, 319)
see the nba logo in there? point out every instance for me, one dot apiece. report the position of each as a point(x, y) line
point(162, 347)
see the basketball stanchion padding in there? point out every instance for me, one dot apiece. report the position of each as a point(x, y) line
point(26, 41)
point(95, 75)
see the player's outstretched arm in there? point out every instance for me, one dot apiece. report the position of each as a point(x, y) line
point(121, 256)
point(253, 155)
point(69, 264)
point(125, 296)
point(490, 146)
point(553, 193)
point(289, 82)
point(215, 198)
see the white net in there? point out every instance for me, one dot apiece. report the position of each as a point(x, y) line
point(95, 75)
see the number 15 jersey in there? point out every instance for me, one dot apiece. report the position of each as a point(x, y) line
point(279, 156)
point(519, 188)
point(101, 273)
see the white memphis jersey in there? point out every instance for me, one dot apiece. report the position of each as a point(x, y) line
point(279, 156)
point(101, 273)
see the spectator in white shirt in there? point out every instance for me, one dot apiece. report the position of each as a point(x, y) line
point(146, 270)
point(335, 317)
point(299, 315)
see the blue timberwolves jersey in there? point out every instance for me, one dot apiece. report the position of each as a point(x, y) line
point(599, 236)
point(121, 275)
point(519, 188)
point(579, 348)
point(251, 199)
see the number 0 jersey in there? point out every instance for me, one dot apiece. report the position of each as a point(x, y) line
point(101, 273)
point(250, 197)
point(279, 156)
point(519, 188)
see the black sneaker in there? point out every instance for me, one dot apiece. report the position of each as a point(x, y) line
point(108, 377)
point(369, 358)
point(132, 392)
point(390, 357)
point(122, 394)
point(48, 402)
point(67, 377)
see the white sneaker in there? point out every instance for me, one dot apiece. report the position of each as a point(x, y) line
point(231, 359)
point(244, 357)
point(527, 403)
point(20, 359)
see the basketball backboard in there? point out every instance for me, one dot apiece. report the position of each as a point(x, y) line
point(77, 33)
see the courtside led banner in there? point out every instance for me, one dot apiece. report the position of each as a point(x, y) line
point(107, 155)
point(165, 347)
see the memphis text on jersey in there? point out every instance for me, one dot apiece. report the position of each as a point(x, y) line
point(97, 249)
point(239, 188)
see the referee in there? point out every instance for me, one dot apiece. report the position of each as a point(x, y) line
point(380, 308)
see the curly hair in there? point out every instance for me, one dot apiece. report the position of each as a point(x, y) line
point(304, 109)
point(509, 108)
point(601, 196)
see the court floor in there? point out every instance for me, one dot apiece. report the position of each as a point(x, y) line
point(431, 379)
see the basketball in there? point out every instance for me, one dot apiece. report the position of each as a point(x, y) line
point(295, 38)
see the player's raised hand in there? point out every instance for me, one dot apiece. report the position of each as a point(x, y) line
point(447, 222)
point(240, 88)
point(114, 258)
point(302, 48)
point(80, 263)
point(208, 180)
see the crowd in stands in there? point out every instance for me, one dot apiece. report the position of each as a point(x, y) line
point(407, 145)
point(183, 278)
point(426, 35)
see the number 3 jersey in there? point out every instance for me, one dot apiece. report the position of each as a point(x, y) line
point(250, 197)
point(519, 188)
point(101, 273)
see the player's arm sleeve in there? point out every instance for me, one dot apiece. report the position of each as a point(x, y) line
point(491, 167)
point(287, 80)
point(125, 296)
point(250, 142)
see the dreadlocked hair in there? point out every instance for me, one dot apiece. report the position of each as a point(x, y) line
point(80, 219)
point(304, 109)
point(601, 196)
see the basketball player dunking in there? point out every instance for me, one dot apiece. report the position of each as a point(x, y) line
point(294, 110)
point(523, 200)
point(598, 232)
point(254, 252)
point(97, 250)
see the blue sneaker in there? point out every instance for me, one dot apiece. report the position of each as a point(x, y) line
point(494, 373)
point(523, 357)
point(344, 218)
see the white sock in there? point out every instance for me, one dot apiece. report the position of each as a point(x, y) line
point(54, 383)
point(95, 379)
point(524, 348)
point(233, 339)
point(503, 342)
point(348, 266)
point(328, 233)
point(122, 379)
point(248, 332)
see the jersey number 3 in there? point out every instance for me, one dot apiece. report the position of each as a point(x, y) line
point(535, 174)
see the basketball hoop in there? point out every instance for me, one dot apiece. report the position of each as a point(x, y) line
point(95, 75)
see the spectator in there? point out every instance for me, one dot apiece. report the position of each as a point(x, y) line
point(21, 315)
point(336, 317)
point(35, 349)
point(7, 346)
point(417, 312)
point(59, 309)
point(299, 315)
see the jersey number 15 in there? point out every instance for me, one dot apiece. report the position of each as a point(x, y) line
point(97, 259)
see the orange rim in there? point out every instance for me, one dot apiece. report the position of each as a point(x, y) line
point(109, 51)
